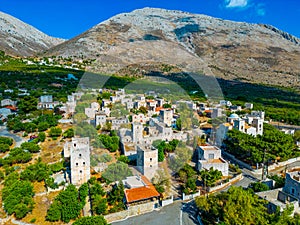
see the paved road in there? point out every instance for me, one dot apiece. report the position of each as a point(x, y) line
point(178, 213)
point(4, 132)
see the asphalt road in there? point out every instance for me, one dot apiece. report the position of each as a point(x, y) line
point(5, 133)
point(179, 213)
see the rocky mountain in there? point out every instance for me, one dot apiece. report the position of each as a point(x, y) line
point(154, 39)
point(20, 39)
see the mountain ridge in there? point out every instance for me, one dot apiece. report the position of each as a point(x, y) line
point(128, 43)
point(20, 39)
point(192, 42)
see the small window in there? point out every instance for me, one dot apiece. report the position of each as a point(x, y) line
point(79, 155)
point(150, 165)
point(76, 164)
point(150, 159)
point(211, 156)
point(84, 163)
point(80, 171)
point(74, 144)
point(293, 191)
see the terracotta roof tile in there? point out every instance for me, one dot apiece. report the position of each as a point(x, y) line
point(157, 109)
point(11, 107)
point(215, 161)
point(141, 193)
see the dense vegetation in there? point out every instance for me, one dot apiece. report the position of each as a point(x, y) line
point(111, 142)
point(241, 207)
point(37, 79)
point(272, 145)
point(42, 172)
point(67, 204)
point(116, 172)
point(41, 123)
point(91, 220)
point(5, 144)
point(209, 177)
point(16, 155)
point(188, 176)
point(17, 196)
point(164, 147)
point(182, 155)
point(106, 202)
point(84, 129)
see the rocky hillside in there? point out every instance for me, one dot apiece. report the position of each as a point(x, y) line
point(156, 38)
point(20, 39)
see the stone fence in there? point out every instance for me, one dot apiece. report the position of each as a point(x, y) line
point(167, 201)
point(259, 171)
point(131, 211)
point(190, 197)
point(237, 161)
point(224, 185)
point(282, 164)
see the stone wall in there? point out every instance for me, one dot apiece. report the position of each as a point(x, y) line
point(259, 171)
point(131, 211)
point(167, 201)
point(224, 185)
point(190, 197)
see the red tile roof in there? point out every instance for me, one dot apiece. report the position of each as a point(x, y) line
point(141, 193)
point(157, 109)
point(13, 108)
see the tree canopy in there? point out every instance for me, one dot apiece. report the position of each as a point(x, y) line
point(91, 220)
point(182, 156)
point(273, 143)
point(111, 142)
point(116, 172)
point(17, 196)
point(66, 206)
point(209, 177)
point(240, 207)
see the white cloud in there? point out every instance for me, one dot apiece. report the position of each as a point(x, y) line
point(260, 9)
point(236, 3)
point(260, 12)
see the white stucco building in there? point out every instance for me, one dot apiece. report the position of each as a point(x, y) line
point(210, 156)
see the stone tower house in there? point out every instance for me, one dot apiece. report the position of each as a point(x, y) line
point(239, 124)
point(80, 160)
point(258, 123)
point(147, 160)
point(137, 132)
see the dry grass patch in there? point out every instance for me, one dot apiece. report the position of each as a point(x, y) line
point(39, 187)
point(42, 203)
point(51, 151)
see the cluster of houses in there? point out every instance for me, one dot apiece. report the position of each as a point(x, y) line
point(136, 141)
point(251, 124)
point(138, 189)
point(138, 131)
point(8, 107)
point(281, 198)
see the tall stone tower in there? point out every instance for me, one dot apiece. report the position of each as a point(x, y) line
point(137, 132)
point(239, 124)
point(258, 123)
point(166, 116)
point(80, 160)
point(147, 160)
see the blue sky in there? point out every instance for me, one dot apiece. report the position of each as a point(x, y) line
point(68, 18)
